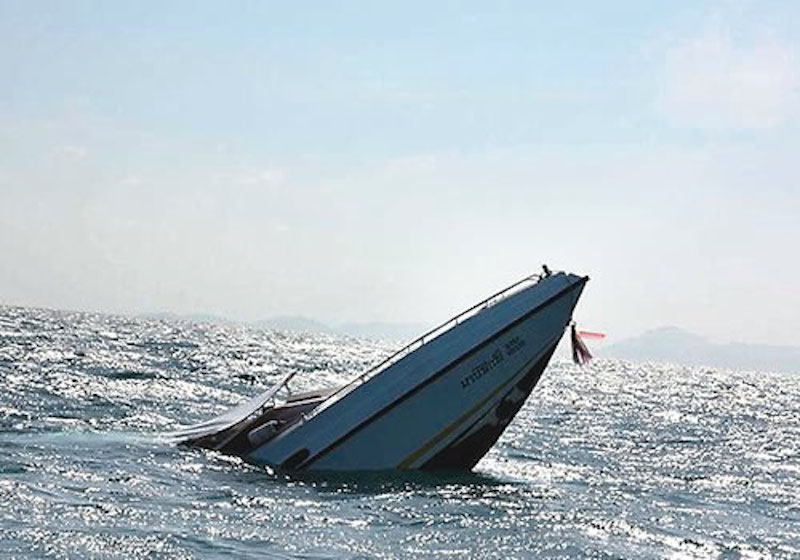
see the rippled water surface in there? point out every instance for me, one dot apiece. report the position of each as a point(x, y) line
point(617, 460)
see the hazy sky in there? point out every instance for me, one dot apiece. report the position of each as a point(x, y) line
point(367, 162)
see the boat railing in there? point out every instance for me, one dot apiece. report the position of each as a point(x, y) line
point(426, 338)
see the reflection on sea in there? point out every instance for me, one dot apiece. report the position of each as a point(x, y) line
point(616, 460)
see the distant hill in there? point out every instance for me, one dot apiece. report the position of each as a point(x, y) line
point(387, 331)
point(375, 329)
point(674, 345)
point(293, 323)
point(398, 332)
point(193, 317)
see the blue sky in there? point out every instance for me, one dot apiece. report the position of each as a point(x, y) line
point(368, 162)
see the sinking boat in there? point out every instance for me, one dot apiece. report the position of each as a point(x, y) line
point(439, 403)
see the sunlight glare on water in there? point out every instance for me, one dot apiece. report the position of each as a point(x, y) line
point(616, 460)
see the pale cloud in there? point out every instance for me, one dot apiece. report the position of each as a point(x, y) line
point(131, 181)
point(72, 152)
point(278, 226)
point(712, 82)
point(268, 176)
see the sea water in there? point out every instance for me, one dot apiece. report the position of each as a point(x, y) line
point(616, 460)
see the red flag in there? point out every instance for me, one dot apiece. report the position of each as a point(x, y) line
point(591, 335)
point(580, 354)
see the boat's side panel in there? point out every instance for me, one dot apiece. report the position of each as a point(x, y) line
point(326, 427)
point(412, 431)
point(468, 448)
point(461, 367)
